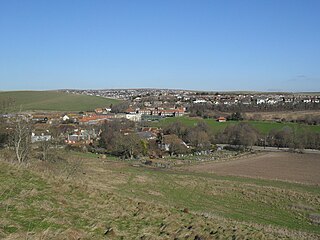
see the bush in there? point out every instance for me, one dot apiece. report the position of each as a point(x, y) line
point(3, 139)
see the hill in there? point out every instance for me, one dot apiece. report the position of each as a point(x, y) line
point(55, 101)
point(115, 200)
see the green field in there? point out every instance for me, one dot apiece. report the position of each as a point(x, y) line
point(263, 127)
point(54, 101)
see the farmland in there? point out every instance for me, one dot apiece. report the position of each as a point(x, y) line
point(123, 201)
point(303, 168)
point(54, 101)
point(263, 127)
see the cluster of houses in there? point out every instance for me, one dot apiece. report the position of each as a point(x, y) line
point(159, 97)
point(79, 131)
point(84, 128)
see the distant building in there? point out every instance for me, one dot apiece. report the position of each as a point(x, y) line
point(221, 119)
point(98, 110)
point(81, 137)
point(134, 117)
point(65, 118)
point(40, 138)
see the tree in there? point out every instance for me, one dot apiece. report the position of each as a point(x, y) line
point(198, 138)
point(110, 129)
point(128, 146)
point(3, 139)
point(3, 133)
point(176, 145)
point(241, 134)
point(237, 116)
point(177, 128)
point(21, 140)
point(120, 107)
point(115, 142)
point(283, 137)
point(45, 149)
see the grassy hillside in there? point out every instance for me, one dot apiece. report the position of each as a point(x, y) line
point(55, 101)
point(263, 126)
point(140, 203)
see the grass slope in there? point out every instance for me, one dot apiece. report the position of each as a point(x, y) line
point(263, 126)
point(55, 101)
point(269, 203)
point(139, 203)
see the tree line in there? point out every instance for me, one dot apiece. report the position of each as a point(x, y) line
point(206, 110)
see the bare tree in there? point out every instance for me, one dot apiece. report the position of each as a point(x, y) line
point(45, 149)
point(21, 140)
point(198, 138)
point(128, 146)
point(177, 128)
point(241, 135)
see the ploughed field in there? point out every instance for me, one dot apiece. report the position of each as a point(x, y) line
point(304, 168)
point(294, 167)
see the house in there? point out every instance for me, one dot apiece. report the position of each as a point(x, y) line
point(168, 140)
point(65, 118)
point(174, 112)
point(98, 110)
point(137, 99)
point(150, 129)
point(80, 137)
point(95, 119)
point(134, 117)
point(145, 111)
point(261, 101)
point(147, 135)
point(306, 100)
point(199, 101)
point(40, 138)
point(221, 119)
point(147, 104)
point(272, 101)
point(39, 119)
point(130, 111)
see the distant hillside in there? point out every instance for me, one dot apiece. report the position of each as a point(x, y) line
point(55, 101)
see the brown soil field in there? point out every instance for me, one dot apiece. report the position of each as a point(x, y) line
point(293, 167)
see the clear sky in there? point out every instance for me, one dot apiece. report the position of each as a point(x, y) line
point(200, 44)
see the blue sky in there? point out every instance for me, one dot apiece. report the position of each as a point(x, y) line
point(201, 44)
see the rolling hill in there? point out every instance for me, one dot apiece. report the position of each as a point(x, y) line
point(54, 101)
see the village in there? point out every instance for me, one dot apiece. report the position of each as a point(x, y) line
point(135, 121)
point(80, 130)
